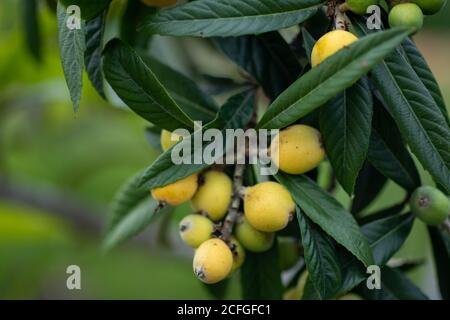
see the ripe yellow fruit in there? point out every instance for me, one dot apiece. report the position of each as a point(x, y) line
point(213, 261)
point(166, 139)
point(238, 254)
point(251, 239)
point(329, 44)
point(178, 192)
point(298, 149)
point(214, 195)
point(268, 206)
point(159, 3)
point(195, 229)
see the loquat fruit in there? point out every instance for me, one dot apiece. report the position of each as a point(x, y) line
point(430, 205)
point(329, 44)
point(406, 15)
point(213, 261)
point(251, 239)
point(178, 192)
point(195, 229)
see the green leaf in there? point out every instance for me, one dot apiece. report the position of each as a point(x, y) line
point(89, 8)
point(93, 54)
point(329, 214)
point(388, 154)
point(71, 46)
point(32, 28)
point(266, 57)
point(321, 259)
point(236, 113)
point(394, 286)
point(126, 199)
point(261, 276)
point(331, 77)
point(440, 241)
point(184, 91)
point(212, 18)
point(420, 66)
point(420, 120)
point(308, 42)
point(385, 237)
point(130, 20)
point(369, 184)
point(345, 124)
point(139, 88)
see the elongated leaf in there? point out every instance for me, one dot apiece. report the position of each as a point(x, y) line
point(385, 237)
point(212, 18)
point(32, 27)
point(345, 124)
point(369, 184)
point(134, 13)
point(126, 199)
point(331, 77)
point(93, 55)
point(325, 211)
point(236, 113)
point(139, 88)
point(420, 66)
point(71, 46)
point(321, 259)
point(261, 276)
point(420, 120)
point(266, 57)
point(388, 154)
point(394, 286)
point(89, 9)
point(440, 241)
point(184, 91)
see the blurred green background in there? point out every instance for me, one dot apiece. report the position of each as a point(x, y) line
point(60, 170)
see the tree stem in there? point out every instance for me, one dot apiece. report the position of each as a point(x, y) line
point(233, 211)
point(340, 21)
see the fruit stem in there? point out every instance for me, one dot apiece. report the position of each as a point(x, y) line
point(232, 215)
point(340, 20)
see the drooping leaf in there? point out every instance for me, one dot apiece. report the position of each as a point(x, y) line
point(321, 259)
point(184, 91)
point(93, 54)
point(385, 237)
point(394, 286)
point(420, 66)
point(261, 276)
point(345, 124)
point(329, 214)
point(71, 46)
point(332, 76)
point(134, 13)
point(236, 113)
point(140, 89)
point(420, 120)
point(440, 241)
point(369, 184)
point(211, 18)
point(383, 213)
point(388, 153)
point(89, 9)
point(266, 57)
point(32, 27)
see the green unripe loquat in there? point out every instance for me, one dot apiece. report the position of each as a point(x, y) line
point(358, 6)
point(430, 7)
point(430, 205)
point(268, 206)
point(214, 195)
point(238, 254)
point(406, 15)
point(213, 261)
point(350, 296)
point(195, 229)
point(178, 192)
point(288, 249)
point(251, 239)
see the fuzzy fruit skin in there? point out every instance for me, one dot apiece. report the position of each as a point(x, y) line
point(178, 192)
point(238, 254)
point(430, 7)
point(213, 261)
point(166, 139)
point(360, 6)
point(289, 252)
point(195, 229)
point(159, 3)
point(430, 205)
point(329, 44)
point(406, 15)
point(350, 296)
point(214, 195)
point(299, 148)
point(251, 239)
point(268, 206)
